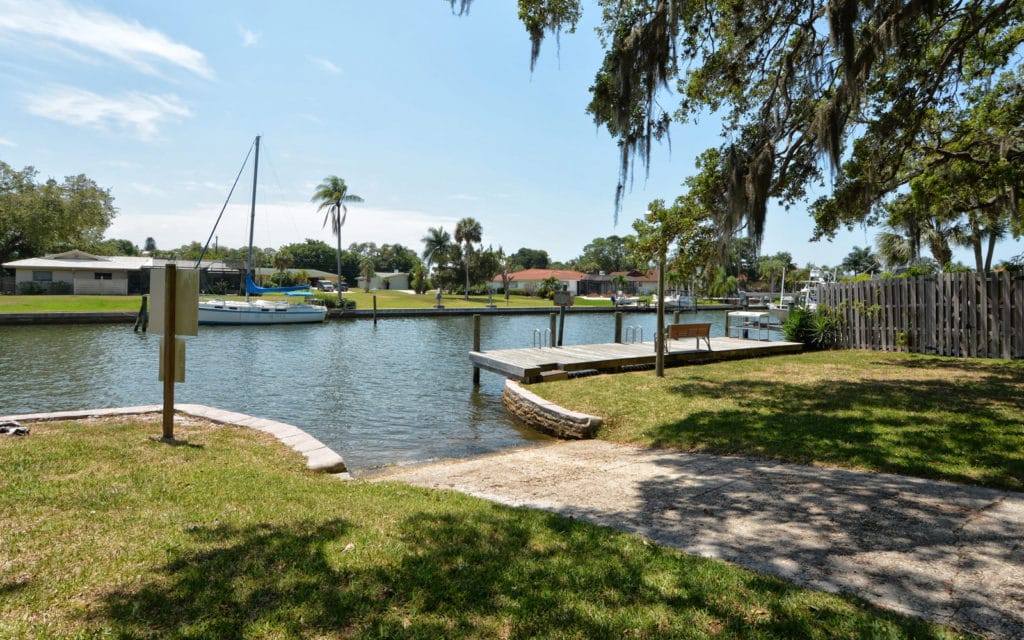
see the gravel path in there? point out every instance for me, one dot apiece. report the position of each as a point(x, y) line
point(950, 553)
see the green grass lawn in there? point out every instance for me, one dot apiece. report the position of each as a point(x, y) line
point(108, 532)
point(947, 418)
point(385, 300)
point(60, 304)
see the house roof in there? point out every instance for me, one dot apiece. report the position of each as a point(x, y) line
point(529, 275)
point(80, 260)
point(651, 275)
point(386, 275)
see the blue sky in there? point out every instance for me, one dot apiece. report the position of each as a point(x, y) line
point(429, 117)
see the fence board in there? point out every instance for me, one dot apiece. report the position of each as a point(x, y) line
point(961, 314)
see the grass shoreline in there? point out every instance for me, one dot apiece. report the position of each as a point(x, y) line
point(954, 419)
point(363, 300)
point(110, 532)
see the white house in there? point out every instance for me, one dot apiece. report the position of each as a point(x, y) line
point(81, 273)
point(381, 280)
point(530, 279)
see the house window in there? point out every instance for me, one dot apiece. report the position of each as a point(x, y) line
point(42, 276)
point(103, 275)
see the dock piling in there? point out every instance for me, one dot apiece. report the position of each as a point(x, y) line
point(142, 320)
point(618, 327)
point(476, 347)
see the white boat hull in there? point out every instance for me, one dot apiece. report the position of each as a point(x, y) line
point(259, 313)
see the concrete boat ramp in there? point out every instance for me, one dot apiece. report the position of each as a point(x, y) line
point(553, 363)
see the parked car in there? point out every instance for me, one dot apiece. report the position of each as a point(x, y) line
point(325, 285)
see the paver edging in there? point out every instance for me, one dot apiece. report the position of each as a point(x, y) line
point(547, 416)
point(319, 457)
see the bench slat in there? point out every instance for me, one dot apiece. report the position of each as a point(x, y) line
point(696, 330)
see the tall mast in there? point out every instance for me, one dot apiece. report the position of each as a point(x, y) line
point(252, 214)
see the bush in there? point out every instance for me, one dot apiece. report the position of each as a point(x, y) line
point(30, 288)
point(61, 287)
point(330, 300)
point(1015, 263)
point(818, 330)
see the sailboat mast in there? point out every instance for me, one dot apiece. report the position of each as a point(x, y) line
point(252, 214)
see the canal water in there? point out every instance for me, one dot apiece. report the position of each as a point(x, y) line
point(394, 393)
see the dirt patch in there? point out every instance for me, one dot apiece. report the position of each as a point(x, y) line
point(949, 553)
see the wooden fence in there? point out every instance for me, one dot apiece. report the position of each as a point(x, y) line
point(953, 314)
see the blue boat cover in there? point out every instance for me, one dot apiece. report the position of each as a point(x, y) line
point(253, 288)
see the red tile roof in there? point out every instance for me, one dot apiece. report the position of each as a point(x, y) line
point(529, 275)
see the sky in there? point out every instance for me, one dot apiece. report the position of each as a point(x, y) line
point(428, 116)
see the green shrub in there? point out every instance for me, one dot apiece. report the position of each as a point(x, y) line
point(330, 300)
point(61, 287)
point(1015, 263)
point(30, 288)
point(818, 330)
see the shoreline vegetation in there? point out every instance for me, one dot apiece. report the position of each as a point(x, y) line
point(364, 301)
point(934, 417)
point(110, 532)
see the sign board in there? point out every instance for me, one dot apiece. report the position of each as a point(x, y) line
point(563, 298)
point(179, 360)
point(186, 309)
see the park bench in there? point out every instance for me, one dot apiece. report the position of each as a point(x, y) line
point(696, 330)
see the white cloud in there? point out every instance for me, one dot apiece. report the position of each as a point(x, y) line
point(139, 113)
point(249, 38)
point(464, 196)
point(4, 142)
point(148, 189)
point(193, 185)
point(325, 65)
point(123, 164)
point(59, 23)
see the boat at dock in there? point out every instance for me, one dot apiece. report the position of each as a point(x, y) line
point(234, 312)
point(260, 312)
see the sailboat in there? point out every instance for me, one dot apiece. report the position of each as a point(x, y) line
point(219, 311)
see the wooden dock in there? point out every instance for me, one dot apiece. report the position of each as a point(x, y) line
point(554, 363)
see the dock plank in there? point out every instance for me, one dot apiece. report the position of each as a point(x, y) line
point(527, 364)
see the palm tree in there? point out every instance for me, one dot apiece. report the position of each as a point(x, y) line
point(436, 245)
point(981, 228)
point(859, 260)
point(332, 194)
point(467, 231)
point(367, 269)
point(769, 267)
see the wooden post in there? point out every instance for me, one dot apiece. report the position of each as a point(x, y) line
point(561, 324)
point(659, 334)
point(375, 309)
point(618, 327)
point(675, 316)
point(142, 320)
point(476, 347)
point(170, 311)
point(552, 326)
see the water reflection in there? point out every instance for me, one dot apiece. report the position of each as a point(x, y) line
point(398, 392)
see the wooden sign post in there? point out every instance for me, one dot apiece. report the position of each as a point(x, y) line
point(563, 299)
point(175, 304)
point(170, 317)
